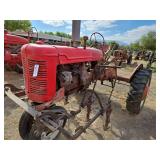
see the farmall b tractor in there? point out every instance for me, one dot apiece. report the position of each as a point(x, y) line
point(52, 73)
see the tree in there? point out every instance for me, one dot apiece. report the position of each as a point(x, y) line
point(135, 46)
point(13, 25)
point(149, 41)
point(126, 47)
point(49, 33)
point(62, 34)
point(114, 45)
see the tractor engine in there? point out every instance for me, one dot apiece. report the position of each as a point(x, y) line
point(73, 77)
point(48, 68)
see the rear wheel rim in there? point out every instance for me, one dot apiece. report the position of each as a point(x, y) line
point(145, 93)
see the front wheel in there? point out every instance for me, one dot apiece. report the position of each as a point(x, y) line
point(25, 124)
point(139, 87)
point(41, 132)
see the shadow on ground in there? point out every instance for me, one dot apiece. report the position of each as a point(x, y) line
point(123, 125)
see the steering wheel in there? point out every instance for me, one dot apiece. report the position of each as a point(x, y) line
point(94, 43)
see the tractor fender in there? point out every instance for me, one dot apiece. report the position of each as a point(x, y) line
point(140, 66)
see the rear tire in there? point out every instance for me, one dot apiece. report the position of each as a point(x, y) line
point(136, 95)
point(25, 125)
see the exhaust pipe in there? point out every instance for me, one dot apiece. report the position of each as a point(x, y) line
point(76, 24)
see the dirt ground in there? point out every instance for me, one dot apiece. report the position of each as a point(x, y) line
point(123, 125)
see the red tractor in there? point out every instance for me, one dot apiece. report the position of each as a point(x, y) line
point(12, 48)
point(52, 73)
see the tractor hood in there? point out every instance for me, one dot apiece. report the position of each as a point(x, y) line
point(64, 54)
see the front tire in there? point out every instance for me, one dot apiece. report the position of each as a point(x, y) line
point(39, 131)
point(25, 124)
point(138, 91)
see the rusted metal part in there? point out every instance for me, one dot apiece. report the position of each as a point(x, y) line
point(106, 110)
point(107, 116)
point(12, 87)
point(120, 55)
point(69, 77)
point(81, 129)
point(59, 96)
point(87, 100)
point(46, 125)
point(110, 73)
point(109, 66)
point(128, 79)
point(105, 73)
point(146, 89)
point(21, 103)
point(85, 76)
point(124, 79)
point(17, 91)
point(145, 92)
point(116, 57)
point(88, 113)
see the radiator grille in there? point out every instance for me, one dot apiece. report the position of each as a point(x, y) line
point(38, 84)
point(24, 65)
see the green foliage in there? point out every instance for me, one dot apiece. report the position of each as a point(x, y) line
point(60, 34)
point(125, 47)
point(49, 33)
point(13, 25)
point(146, 42)
point(149, 41)
point(135, 46)
point(114, 45)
